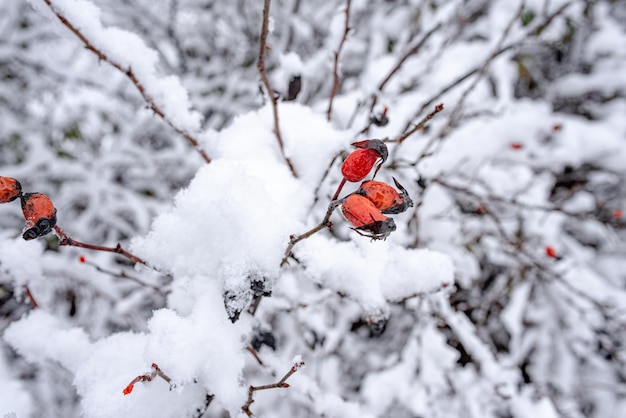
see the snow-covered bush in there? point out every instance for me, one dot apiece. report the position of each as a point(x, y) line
point(207, 138)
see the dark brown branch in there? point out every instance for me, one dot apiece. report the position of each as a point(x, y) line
point(67, 240)
point(537, 31)
point(335, 89)
point(255, 355)
point(324, 224)
point(414, 50)
point(456, 112)
point(495, 54)
point(156, 371)
point(30, 297)
point(131, 75)
point(123, 275)
point(266, 81)
point(280, 384)
point(418, 127)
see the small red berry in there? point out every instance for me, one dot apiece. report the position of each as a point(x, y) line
point(361, 161)
point(516, 146)
point(39, 213)
point(618, 213)
point(82, 259)
point(10, 189)
point(557, 127)
point(551, 252)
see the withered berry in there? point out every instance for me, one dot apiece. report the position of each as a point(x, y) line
point(10, 189)
point(386, 198)
point(39, 213)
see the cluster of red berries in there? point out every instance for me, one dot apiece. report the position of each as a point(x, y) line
point(366, 208)
point(39, 212)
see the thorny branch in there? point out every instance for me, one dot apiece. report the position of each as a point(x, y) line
point(131, 75)
point(266, 81)
point(336, 84)
point(67, 240)
point(280, 384)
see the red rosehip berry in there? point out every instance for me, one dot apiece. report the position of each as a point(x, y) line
point(361, 161)
point(10, 189)
point(386, 198)
point(551, 252)
point(39, 213)
point(366, 218)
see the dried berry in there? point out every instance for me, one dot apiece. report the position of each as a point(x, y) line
point(360, 162)
point(386, 198)
point(380, 119)
point(366, 218)
point(10, 189)
point(39, 213)
point(295, 85)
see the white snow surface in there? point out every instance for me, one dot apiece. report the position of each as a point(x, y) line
point(229, 227)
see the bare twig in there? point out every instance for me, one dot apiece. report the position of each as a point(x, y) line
point(254, 353)
point(123, 275)
point(418, 127)
point(482, 71)
point(30, 297)
point(266, 81)
point(294, 239)
point(335, 89)
point(495, 54)
point(280, 384)
point(148, 378)
point(67, 240)
point(414, 50)
point(132, 76)
point(330, 166)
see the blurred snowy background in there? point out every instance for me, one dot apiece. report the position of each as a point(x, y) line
point(502, 293)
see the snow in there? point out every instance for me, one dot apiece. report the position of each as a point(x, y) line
point(130, 52)
point(15, 401)
point(458, 312)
